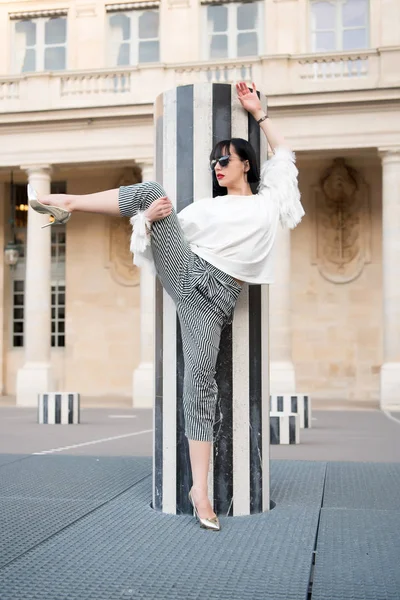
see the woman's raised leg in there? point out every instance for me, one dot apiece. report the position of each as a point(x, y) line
point(171, 251)
point(106, 202)
point(125, 201)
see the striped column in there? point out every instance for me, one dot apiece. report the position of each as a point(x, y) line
point(189, 121)
point(284, 429)
point(59, 409)
point(299, 404)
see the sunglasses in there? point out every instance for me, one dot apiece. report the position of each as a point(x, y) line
point(222, 160)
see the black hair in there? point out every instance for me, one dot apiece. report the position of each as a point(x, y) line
point(245, 151)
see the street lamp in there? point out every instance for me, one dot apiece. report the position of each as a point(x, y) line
point(11, 254)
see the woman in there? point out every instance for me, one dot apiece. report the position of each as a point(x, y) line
point(202, 257)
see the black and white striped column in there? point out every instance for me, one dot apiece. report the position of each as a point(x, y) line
point(299, 404)
point(59, 408)
point(189, 121)
point(284, 428)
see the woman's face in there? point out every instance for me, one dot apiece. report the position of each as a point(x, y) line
point(231, 172)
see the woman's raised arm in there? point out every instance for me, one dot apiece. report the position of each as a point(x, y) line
point(251, 102)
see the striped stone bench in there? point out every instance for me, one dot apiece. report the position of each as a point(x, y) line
point(293, 403)
point(284, 429)
point(59, 408)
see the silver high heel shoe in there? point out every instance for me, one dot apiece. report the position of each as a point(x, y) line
point(60, 215)
point(212, 524)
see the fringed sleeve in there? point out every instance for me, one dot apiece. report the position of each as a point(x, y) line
point(140, 242)
point(279, 176)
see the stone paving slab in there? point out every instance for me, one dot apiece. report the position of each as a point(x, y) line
point(358, 555)
point(368, 436)
point(362, 485)
point(357, 436)
point(125, 549)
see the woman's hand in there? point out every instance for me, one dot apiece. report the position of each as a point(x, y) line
point(249, 100)
point(159, 209)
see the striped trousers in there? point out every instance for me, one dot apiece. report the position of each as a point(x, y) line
point(204, 297)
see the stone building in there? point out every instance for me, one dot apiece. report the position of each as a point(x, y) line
point(77, 86)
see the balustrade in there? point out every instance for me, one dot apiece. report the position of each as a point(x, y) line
point(277, 75)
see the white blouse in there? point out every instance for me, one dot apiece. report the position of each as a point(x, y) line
point(236, 234)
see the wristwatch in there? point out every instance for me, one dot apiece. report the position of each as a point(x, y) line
point(262, 119)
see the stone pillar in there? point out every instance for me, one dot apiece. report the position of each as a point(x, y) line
point(390, 370)
point(36, 375)
point(143, 376)
point(283, 378)
point(189, 121)
point(2, 282)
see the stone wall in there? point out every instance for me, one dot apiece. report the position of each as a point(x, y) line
point(337, 324)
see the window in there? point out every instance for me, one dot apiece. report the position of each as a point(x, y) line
point(18, 313)
point(233, 30)
point(40, 44)
point(58, 314)
point(58, 243)
point(339, 25)
point(58, 250)
point(134, 37)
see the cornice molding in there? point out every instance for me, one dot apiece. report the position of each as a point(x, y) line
point(35, 14)
point(139, 112)
point(92, 154)
point(127, 6)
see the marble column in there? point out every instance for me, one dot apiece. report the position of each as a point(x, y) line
point(189, 121)
point(143, 375)
point(390, 370)
point(36, 374)
point(282, 373)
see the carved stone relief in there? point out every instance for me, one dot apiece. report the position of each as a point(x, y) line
point(342, 231)
point(120, 259)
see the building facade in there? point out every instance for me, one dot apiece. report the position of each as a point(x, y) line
point(77, 86)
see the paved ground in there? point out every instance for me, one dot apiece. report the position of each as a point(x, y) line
point(76, 521)
point(352, 435)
